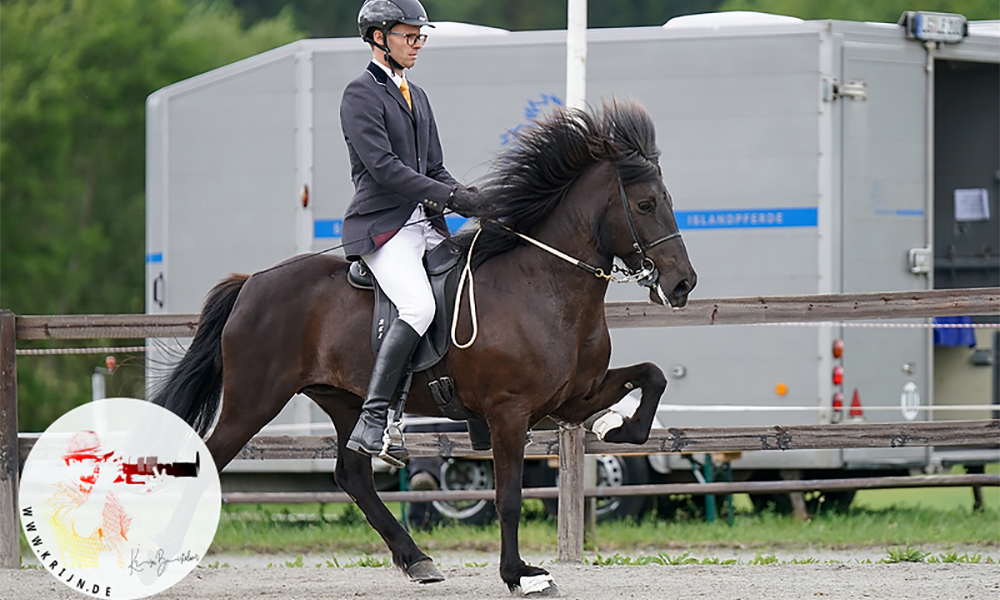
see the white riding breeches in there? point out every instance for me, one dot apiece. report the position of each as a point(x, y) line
point(398, 266)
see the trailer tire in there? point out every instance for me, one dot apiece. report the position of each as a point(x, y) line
point(457, 474)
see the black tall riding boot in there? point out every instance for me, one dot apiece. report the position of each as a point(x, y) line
point(390, 366)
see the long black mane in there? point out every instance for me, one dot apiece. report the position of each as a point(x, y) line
point(530, 179)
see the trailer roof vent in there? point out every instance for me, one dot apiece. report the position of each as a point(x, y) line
point(454, 29)
point(733, 18)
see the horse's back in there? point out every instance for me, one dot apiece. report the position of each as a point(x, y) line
point(293, 295)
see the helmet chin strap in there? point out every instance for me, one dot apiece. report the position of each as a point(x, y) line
point(384, 47)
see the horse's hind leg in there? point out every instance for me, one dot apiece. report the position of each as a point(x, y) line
point(354, 476)
point(247, 405)
point(617, 383)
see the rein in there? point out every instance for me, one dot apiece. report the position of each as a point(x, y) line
point(645, 275)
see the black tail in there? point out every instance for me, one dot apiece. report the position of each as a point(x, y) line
point(193, 390)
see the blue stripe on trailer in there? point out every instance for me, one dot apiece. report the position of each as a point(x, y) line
point(455, 222)
point(747, 219)
point(154, 257)
point(901, 212)
point(327, 228)
point(694, 219)
point(330, 228)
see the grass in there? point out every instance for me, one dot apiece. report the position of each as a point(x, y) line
point(900, 530)
point(309, 528)
point(879, 518)
point(942, 498)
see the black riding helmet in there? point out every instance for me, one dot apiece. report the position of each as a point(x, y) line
point(386, 14)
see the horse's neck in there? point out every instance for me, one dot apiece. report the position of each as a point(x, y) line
point(571, 228)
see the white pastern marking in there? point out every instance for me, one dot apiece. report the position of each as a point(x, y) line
point(602, 426)
point(535, 584)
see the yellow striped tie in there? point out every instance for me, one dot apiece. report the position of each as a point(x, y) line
point(403, 87)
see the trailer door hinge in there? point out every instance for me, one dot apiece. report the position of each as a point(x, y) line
point(833, 88)
point(920, 261)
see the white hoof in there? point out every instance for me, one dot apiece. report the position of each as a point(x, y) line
point(538, 585)
point(609, 421)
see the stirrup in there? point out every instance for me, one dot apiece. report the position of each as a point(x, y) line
point(401, 455)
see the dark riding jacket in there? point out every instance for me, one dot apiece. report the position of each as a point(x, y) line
point(396, 160)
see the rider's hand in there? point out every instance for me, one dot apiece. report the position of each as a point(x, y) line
point(466, 200)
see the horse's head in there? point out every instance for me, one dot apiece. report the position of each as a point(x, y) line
point(651, 245)
point(577, 155)
point(640, 224)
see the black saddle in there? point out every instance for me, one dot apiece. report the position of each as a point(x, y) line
point(441, 264)
point(444, 269)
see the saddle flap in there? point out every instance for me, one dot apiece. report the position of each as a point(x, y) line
point(442, 258)
point(442, 264)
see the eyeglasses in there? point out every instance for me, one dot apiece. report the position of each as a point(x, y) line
point(412, 38)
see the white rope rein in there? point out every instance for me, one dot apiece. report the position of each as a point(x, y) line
point(466, 273)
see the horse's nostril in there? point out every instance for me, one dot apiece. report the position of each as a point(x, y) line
point(682, 288)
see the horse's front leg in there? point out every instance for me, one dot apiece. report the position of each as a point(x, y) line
point(508, 437)
point(617, 383)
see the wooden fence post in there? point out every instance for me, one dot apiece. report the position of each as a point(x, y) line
point(571, 467)
point(10, 555)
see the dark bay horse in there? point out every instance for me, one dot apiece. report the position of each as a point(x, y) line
point(587, 185)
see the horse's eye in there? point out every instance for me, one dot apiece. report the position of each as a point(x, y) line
point(645, 206)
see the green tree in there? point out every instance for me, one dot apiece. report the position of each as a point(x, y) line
point(883, 11)
point(338, 18)
point(73, 84)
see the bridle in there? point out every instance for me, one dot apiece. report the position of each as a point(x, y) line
point(645, 274)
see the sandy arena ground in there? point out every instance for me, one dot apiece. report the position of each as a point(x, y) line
point(250, 578)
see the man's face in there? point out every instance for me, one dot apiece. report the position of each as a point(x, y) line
point(399, 49)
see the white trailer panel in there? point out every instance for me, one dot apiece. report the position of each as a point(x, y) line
point(797, 153)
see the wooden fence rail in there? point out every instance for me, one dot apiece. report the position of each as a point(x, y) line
point(661, 489)
point(718, 311)
point(724, 311)
point(675, 440)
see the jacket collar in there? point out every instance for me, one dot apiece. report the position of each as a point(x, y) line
point(382, 78)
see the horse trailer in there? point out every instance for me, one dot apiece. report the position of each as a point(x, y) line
point(804, 157)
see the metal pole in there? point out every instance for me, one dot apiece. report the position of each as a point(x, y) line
point(709, 498)
point(929, 226)
point(996, 372)
point(576, 54)
point(10, 552)
point(97, 385)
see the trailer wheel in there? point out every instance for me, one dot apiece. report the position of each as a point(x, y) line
point(467, 475)
point(457, 475)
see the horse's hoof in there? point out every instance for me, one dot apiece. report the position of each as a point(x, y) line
point(539, 586)
point(424, 571)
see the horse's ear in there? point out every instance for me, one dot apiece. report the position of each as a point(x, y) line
point(605, 148)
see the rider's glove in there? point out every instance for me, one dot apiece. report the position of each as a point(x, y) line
point(465, 200)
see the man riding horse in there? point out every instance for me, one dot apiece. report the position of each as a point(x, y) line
point(401, 188)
